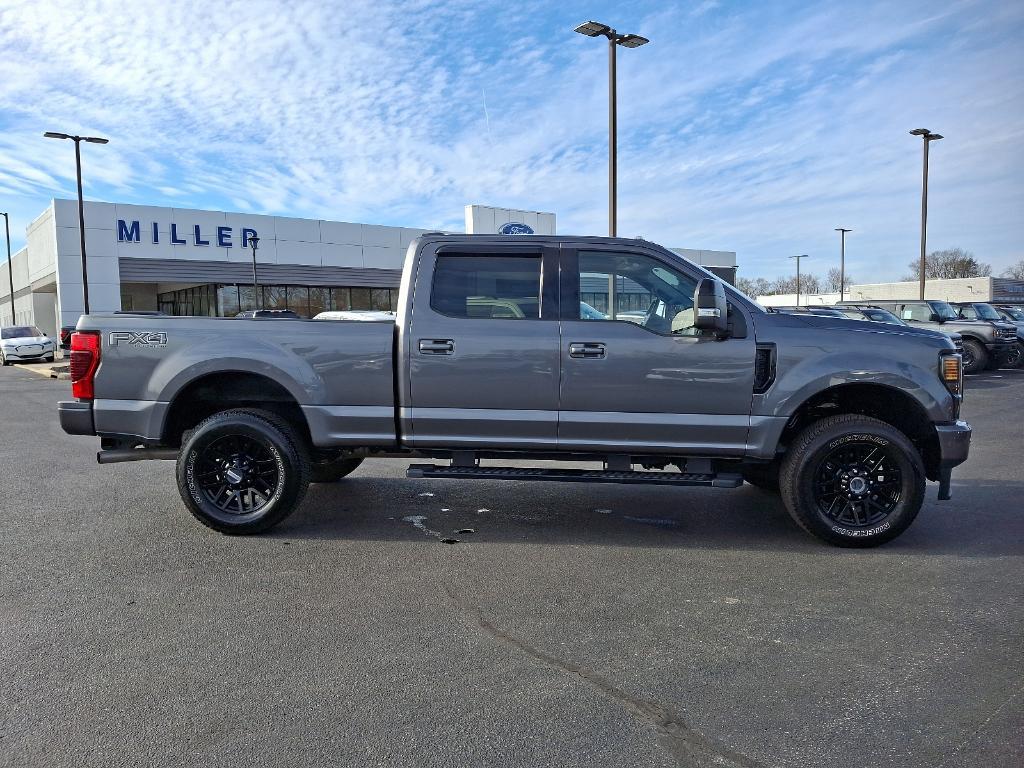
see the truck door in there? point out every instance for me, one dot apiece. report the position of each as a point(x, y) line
point(482, 348)
point(636, 375)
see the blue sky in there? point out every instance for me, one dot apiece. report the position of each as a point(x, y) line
point(757, 127)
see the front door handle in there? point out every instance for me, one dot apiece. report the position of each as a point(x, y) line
point(586, 349)
point(437, 346)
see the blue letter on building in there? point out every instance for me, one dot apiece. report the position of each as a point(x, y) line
point(224, 237)
point(124, 232)
point(199, 239)
point(174, 235)
point(246, 234)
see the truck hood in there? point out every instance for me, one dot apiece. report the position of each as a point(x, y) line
point(844, 324)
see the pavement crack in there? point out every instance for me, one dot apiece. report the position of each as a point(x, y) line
point(688, 746)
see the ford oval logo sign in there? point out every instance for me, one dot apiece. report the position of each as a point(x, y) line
point(515, 228)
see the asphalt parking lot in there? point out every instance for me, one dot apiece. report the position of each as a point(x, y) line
point(575, 626)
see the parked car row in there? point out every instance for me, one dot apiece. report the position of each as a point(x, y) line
point(987, 336)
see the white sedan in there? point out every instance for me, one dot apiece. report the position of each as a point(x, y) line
point(24, 343)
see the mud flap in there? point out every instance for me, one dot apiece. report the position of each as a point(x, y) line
point(945, 477)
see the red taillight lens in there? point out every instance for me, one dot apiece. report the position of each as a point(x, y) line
point(85, 359)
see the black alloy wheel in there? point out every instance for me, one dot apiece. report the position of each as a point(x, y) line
point(242, 471)
point(858, 484)
point(237, 474)
point(852, 480)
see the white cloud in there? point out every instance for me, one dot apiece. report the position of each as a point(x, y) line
point(754, 129)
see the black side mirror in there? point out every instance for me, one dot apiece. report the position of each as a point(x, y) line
point(711, 311)
point(934, 317)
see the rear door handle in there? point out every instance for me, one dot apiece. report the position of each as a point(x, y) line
point(437, 346)
point(586, 349)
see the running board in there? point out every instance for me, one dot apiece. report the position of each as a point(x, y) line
point(720, 480)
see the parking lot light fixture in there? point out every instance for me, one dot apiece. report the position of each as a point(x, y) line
point(927, 138)
point(81, 204)
point(254, 242)
point(597, 29)
point(802, 256)
point(10, 268)
point(842, 259)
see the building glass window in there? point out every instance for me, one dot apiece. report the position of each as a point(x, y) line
point(298, 299)
point(319, 300)
point(360, 298)
point(380, 299)
point(275, 297)
point(227, 300)
point(341, 299)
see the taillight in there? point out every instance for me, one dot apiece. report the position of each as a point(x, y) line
point(85, 359)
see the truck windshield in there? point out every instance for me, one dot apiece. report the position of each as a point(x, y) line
point(943, 310)
point(986, 312)
point(1016, 314)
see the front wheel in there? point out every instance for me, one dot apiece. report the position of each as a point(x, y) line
point(1015, 357)
point(853, 481)
point(975, 356)
point(242, 471)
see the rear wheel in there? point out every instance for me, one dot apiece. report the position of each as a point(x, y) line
point(242, 471)
point(975, 356)
point(4, 360)
point(852, 481)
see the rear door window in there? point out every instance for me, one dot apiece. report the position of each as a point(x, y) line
point(487, 287)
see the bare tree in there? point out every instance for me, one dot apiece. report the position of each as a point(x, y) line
point(753, 287)
point(1015, 271)
point(832, 281)
point(950, 263)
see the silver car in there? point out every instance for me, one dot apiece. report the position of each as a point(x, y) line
point(25, 343)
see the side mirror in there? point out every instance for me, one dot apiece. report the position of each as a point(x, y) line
point(934, 317)
point(711, 311)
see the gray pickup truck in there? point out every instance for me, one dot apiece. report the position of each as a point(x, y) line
point(536, 348)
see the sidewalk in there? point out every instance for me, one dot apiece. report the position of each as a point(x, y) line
point(55, 370)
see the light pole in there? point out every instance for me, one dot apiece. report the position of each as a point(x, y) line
point(597, 29)
point(842, 259)
point(10, 267)
point(254, 242)
point(803, 256)
point(928, 137)
point(81, 205)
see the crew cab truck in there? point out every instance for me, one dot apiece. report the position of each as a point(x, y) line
point(513, 347)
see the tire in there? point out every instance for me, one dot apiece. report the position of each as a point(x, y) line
point(763, 476)
point(1015, 357)
point(975, 356)
point(331, 470)
point(49, 359)
point(828, 483)
point(4, 360)
point(242, 471)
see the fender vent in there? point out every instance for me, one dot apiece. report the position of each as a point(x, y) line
point(764, 368)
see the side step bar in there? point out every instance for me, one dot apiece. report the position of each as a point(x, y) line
point(719, 480)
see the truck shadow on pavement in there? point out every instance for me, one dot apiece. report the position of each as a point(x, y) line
point(443, 512)
point(992, 380)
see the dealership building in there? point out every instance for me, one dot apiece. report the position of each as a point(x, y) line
point(195, 262)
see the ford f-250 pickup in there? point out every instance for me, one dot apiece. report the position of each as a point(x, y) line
point(519, 347)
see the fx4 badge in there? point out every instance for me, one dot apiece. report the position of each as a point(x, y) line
point(138, 338)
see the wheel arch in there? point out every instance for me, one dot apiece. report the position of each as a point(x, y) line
point(222, 390)
point(885, 403)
